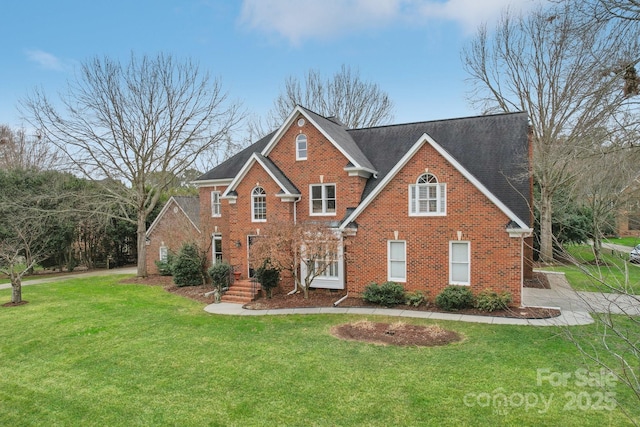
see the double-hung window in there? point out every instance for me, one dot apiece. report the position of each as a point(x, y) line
point(215, 204)
point(427, 197)
point(397, 260)
point(459, 265)
point(301, 147)
point(258, 205)
point(323, 199)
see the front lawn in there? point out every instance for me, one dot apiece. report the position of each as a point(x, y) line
point(615, 275)
point(95, 352)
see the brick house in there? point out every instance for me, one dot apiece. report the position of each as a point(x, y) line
point(423, 204)
point(178, 222)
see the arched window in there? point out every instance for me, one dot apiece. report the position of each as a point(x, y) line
point(258, 205)
point(301, 147)
point(427, 197)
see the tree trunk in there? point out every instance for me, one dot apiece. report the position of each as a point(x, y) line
point(546, 232)
point(142, 245)
point(16, 290)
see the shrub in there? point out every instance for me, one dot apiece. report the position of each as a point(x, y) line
point(488, 300)
point(454, 298)
point(220, 274)
point(268, 277)
point(415, 299)
point(387, 294)
point(165, 268)
point(189, 266)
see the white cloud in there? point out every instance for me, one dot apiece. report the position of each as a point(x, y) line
point(45, 59)
point(300, 20)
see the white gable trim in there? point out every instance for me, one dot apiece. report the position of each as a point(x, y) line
point(426, 139)
point(165, 208)
point(245, 169)
point(287, 123)
point(212, 182)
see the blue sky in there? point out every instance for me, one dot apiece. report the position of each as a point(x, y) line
point(411, 48)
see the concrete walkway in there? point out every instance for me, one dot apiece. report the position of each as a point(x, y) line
point(66, 276)
point(575, 307)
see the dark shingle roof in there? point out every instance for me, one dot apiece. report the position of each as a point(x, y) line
point(278, 174)
point(494, 149)
point(191, 206)
point(230, 167)
point(341, 136)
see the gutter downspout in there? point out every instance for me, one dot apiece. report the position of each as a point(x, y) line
point(295, 221)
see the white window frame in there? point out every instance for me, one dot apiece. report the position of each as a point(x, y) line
point(324, 200)
point(466, 262)
point(394, 261)
point(427, 182)
point(301, 153)
point(163, 253)
point(216, 237)
point(216, 205)
point(255, 195)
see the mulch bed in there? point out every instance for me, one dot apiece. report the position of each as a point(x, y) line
point(400, 334)
point(326, 298)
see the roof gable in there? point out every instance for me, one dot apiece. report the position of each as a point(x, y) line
point(334, 132)
point(189, 206)
point(493, 149)
point(287, 188)
point(406, 158)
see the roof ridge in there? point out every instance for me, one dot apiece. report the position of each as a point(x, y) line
point(439, 120)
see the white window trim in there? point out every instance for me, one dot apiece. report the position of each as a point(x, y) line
point(324, 200)
point(390, 260)
point(216, 205)
point(441, 200)
point(306, 147)
point(454, 282)
point(215, 237)
point(163, 253)
point(253, 212)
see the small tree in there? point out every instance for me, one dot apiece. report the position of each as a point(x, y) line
point(268, 276)
point(306, 250)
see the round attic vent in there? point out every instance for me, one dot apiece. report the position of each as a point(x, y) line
point(300, 122)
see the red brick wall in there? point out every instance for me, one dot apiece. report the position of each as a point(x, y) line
point(210, 225)
point(173, 230)
point(495, 257)
point(323, 158)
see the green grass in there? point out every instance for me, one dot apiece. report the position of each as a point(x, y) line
point(94, 352)
point(624, 241)
point(616, 275)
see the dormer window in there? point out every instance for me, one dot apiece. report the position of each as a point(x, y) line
point(427, 197)
point(301, 147)
point(258, 205)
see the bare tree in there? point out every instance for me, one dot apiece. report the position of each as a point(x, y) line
point(305, 250)
point(33, 209)
point(124, 122)
point(18, 150)
point(569, 80)
point(356, 103)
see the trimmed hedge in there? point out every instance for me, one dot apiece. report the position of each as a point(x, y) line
point(454, 298)
point(387, 294)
